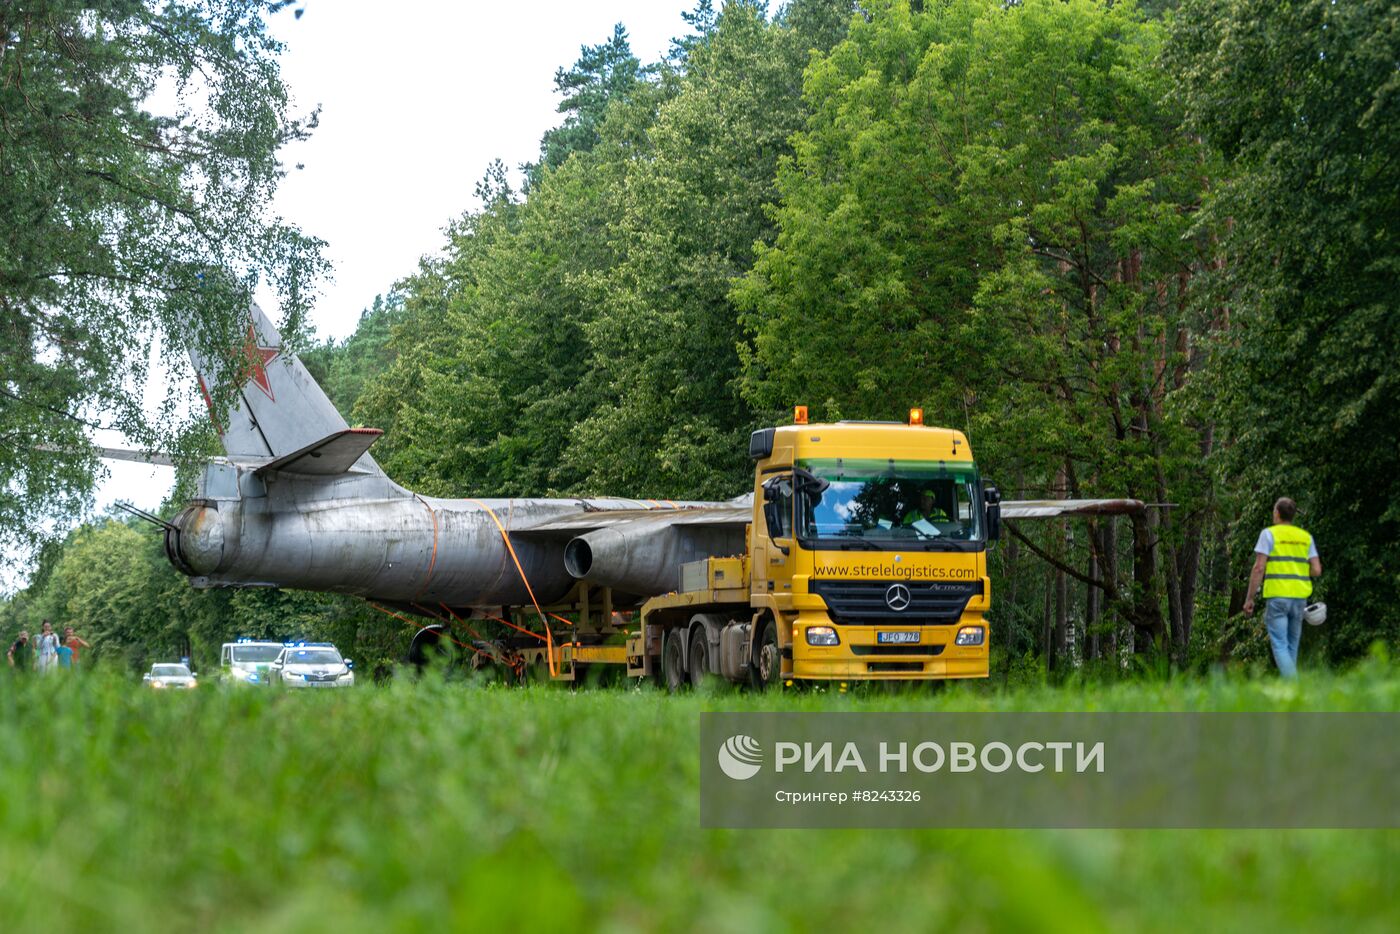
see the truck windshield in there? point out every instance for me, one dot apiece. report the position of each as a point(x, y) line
point(891, 505)
point(255, 653)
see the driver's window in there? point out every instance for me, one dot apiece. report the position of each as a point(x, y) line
point(777, 510)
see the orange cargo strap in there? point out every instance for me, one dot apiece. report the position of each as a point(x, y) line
point(515, 666)
point(505, 537)
point(506, 622)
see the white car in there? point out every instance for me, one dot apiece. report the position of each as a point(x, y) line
point(311, 665)
point(170, 675)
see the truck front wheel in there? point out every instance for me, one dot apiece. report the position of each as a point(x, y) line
point(766, 668)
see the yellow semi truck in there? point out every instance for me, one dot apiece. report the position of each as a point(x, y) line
point(866, 560)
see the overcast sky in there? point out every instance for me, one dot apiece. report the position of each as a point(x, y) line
point(416, 99)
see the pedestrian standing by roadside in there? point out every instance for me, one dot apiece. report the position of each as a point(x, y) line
point(1285, 562)
point(74, 642)
point(21, 654)
point(46, 651)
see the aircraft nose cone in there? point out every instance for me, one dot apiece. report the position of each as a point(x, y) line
point(197, 545)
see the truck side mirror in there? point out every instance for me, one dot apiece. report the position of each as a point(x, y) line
point(773, 519)
point(992, 496)
point(810, 484)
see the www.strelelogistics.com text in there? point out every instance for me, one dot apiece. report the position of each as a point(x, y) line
point(896, 572)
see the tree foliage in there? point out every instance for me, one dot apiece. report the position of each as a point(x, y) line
point(344, 369)
point(1303, 100)
point(987, 215)
point(561, 331)
point(603, 73)
point(138, 146)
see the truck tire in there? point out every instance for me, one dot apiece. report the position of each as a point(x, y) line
point(673, 673)
point(699, 661)
point(766, 666)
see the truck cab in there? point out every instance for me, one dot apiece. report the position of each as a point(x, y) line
point(868, 550)
point(865, 560)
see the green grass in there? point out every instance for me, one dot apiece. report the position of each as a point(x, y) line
point(433, 805)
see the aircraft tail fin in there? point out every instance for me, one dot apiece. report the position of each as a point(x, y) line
point(280, 415)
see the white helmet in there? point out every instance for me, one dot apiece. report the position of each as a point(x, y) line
point(1315, 614)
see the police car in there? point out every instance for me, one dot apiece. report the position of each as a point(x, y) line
point(246, 661)
point(311, 665)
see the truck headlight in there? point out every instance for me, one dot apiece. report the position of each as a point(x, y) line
point(822, 635)
point(971, 635)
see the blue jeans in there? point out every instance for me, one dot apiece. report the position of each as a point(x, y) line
point(1283, 617)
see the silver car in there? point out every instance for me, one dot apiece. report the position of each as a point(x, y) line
point(311, 665)
point(170, 675)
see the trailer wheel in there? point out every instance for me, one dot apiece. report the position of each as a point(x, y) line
point(673, 672)
point(766, 668)
point(699, 657)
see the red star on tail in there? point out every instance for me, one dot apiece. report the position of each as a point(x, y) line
point(258, 357)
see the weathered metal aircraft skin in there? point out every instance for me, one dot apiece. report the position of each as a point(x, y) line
point(299, 502)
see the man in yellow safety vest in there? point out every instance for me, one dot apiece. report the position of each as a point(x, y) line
point(1285, 562)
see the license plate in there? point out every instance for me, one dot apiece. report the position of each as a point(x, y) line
point(897, 637)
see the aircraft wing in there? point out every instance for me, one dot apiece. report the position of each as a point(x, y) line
point(118, 454)
point(571, 526)
point(737, 516)
point(1054, 508)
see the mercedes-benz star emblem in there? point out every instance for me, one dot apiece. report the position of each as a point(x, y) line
point(897, 597)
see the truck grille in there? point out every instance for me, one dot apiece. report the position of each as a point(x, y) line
point(931, 603)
